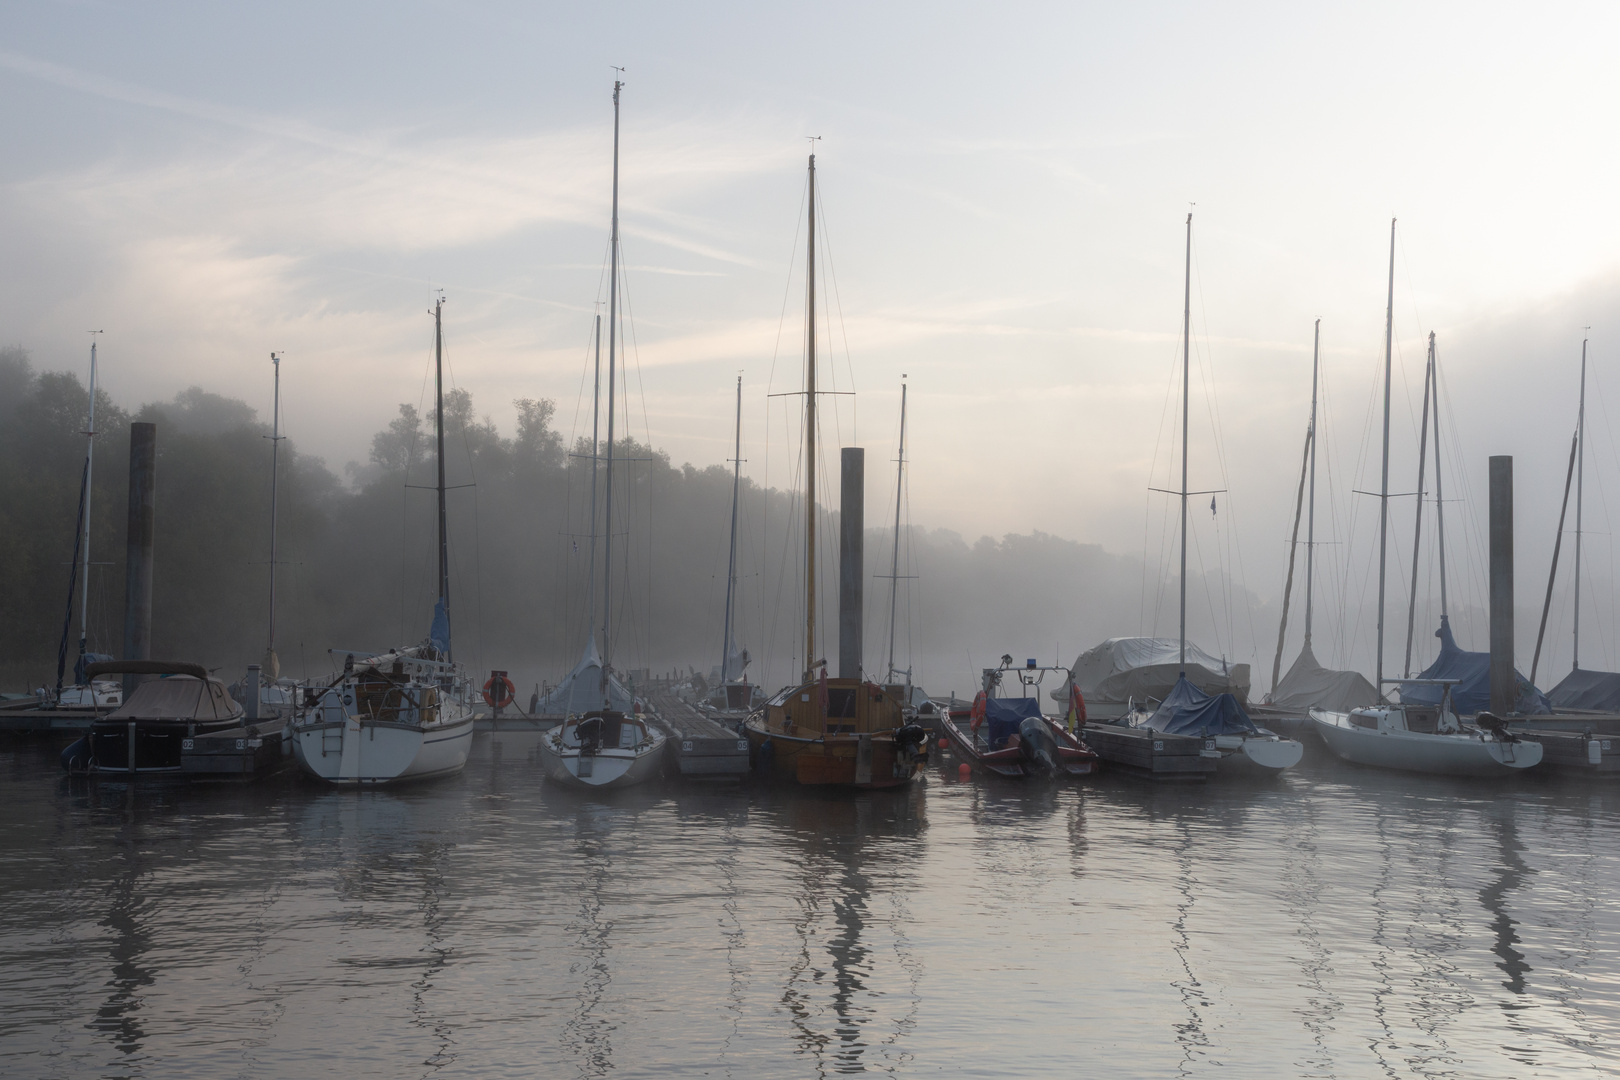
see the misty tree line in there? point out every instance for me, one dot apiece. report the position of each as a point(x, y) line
point(356, 554)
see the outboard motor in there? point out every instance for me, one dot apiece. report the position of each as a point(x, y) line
point(910, 746)
point(1037, 744)
point(1496, 726)
point(590, 734)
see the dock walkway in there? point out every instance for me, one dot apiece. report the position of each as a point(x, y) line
point(700, 745)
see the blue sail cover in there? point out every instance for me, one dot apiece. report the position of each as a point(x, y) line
point(439, 633)
point(1594, 691)
point(1187, 710)
point(1472, 694)
point(88, 658)
point(1003, 715)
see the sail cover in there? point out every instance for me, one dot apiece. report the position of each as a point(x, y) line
point(1472, 694)
point(1141, 667)
point(1187, 710)
point(581, 689)
point(1593, 691)
point(1309, 685)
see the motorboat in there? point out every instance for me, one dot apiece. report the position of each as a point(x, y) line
point(1425, 739)
point(406, 714)
point(1010, 737)
point(604, 748)
point(146, 734)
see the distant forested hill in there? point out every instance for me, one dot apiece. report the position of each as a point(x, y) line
point(357, 554)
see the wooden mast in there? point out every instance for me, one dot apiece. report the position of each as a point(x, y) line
point(810, 436)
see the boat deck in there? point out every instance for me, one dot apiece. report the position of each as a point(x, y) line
point(700, 745)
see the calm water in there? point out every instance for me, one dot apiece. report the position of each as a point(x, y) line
point(1339, 923)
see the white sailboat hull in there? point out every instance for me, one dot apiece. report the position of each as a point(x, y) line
point(1264, 755)
point(1444, 754)
point(606, 768)
point(355, 753)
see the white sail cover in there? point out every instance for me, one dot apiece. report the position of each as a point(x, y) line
point(581, 689)
point(1126, 668)
point(1310, 685)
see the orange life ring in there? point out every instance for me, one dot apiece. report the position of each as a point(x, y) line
point(499, 700)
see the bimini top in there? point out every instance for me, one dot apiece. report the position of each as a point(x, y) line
point(1472, 694)
point(1187, 710)
point(1124, 668)
point(580, 691)
point(1589, 691)
point(1309, 685)
point(178, 697)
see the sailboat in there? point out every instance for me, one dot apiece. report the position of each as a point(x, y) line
point(829, 731)
point(914, 700)
point(86, 692)
point(274, 694)
point(602, 742)
point(1244, 746)
point(1582, 690)
point(1424, 737)
point(404, 714)
point(1308, 684)
point(732, 697)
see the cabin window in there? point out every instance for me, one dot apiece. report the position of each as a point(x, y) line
point(841, 702)
point(1358, 720)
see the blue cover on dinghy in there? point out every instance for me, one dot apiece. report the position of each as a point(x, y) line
point(1187, 710)
point(1003, 715)
point(1472, 694)
point(1597, 691)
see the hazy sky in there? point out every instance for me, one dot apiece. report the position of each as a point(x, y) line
point(1005, 188)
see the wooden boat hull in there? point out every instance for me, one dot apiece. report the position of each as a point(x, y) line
point(1422, 752)
point(860, 760)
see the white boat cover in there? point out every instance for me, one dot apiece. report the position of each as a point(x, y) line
point(1309, 685)
point(580, 691)
point(1125, 668)
point(178, 697)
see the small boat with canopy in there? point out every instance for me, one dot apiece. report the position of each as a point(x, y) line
point(1010, 736)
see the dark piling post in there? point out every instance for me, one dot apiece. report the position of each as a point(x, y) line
point(138, 549)
point(1504, 683)
point(851, 574)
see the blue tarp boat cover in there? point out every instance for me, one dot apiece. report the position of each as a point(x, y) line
point(439, 632)
point(87, 658)
point(1003, 715)
point(1473, 693)
point(1596, 691)
point(1187, 710)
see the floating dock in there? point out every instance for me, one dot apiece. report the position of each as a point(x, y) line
point(1153, 754)
point(699, 745)
point(30, 718)
point(235, 754)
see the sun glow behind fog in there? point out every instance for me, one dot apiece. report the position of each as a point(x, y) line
point(1004, 196)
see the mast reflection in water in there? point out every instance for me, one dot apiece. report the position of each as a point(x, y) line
point(1336, 923)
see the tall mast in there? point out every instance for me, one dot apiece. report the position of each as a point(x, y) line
point(1580, 486)
point(731, 562)
point(1310, 524)
point(1417, 533)
point(894, 565)
point(613, 341)
point(1383, 489)
point(1186, 353)
point(89, 468)
point(1439, 492)
point(272, 665)
point(438, 431)
point(810, 435)
point(596, 452)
